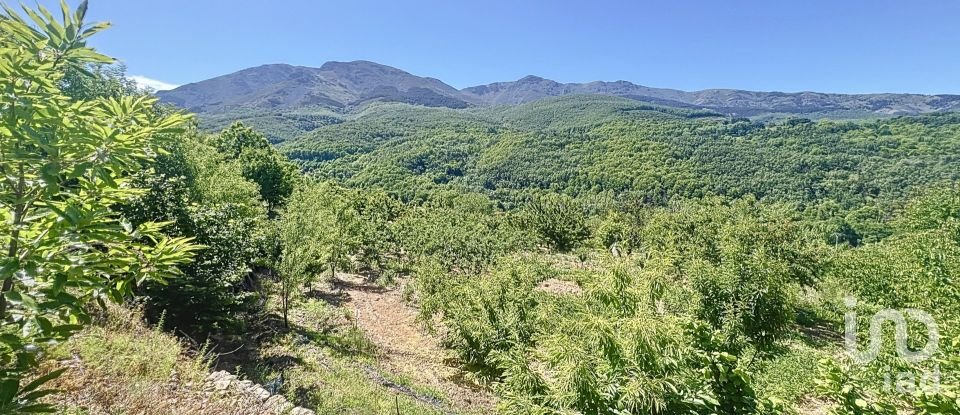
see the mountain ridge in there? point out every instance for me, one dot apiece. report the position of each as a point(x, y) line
point(334, 84)
point(344, 85)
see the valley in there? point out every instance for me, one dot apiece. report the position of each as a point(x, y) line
point(356, 239)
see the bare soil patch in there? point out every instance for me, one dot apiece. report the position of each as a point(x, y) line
point(560, 287)
point(404, 348)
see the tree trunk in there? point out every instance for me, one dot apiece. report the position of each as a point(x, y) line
point(18, 212)
point(284, 299)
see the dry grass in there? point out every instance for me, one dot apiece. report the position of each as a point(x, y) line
point(119, 366)
point(333, 362)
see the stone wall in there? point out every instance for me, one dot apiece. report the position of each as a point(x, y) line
point(223, 382)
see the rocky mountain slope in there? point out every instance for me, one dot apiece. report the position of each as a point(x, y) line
point(342, 85)
point(728, 101)
point(333, 85)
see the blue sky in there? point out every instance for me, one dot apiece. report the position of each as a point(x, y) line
point(784, 45)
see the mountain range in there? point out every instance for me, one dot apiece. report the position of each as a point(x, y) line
point(345, 85)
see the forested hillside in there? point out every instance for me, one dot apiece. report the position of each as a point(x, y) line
point(573, 255)
point(627, 152)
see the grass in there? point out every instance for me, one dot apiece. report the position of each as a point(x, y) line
point(330, 366)
point(420, 390)
point(119, 365)
point(790, 376)
point(333, 372)
point(121, 346)
point(336, 385)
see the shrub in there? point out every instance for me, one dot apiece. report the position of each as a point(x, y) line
point(560, 220)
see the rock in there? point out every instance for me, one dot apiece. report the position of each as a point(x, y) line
point(222, 381)
point(217, 375)
point(278, 404)
point(260, 393)
point(274, 400)
point(222, 384)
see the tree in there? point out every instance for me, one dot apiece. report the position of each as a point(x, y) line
point(261, 164)
point(462, 234)
point(298, 261)
point(275, 176)
point(203, 195)
point(98, 81)
point(64, 163)
point(319, 228)
point(238, 138)
point(376, 211)
point(745, 262)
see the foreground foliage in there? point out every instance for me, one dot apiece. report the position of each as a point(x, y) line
point(65, 163)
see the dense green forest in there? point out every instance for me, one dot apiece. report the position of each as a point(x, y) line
point(710, 265)
point(618, 148)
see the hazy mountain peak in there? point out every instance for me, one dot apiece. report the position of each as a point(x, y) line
point(334, 84)
point(531, 79)
point(359, 65)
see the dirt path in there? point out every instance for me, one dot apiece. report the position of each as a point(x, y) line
point(405, 349)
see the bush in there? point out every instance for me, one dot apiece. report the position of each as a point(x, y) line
point(461, 239)
point(560, 220)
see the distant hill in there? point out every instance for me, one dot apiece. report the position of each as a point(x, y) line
point(727, 101)
point(344, 85)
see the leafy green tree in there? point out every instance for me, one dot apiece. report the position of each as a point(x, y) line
point(64, 164)
point(618, 232)
point(728, 384)
point(300, 253)
point(97, 81)
point(261, 164)
point(378, 243)
point(203, 195)
point(237, 138)
point(275, 176)
point(937, 207)
point(463, 237)
point(319, 229)
point(342, 221)
point(914, 268)
point(746, 263)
